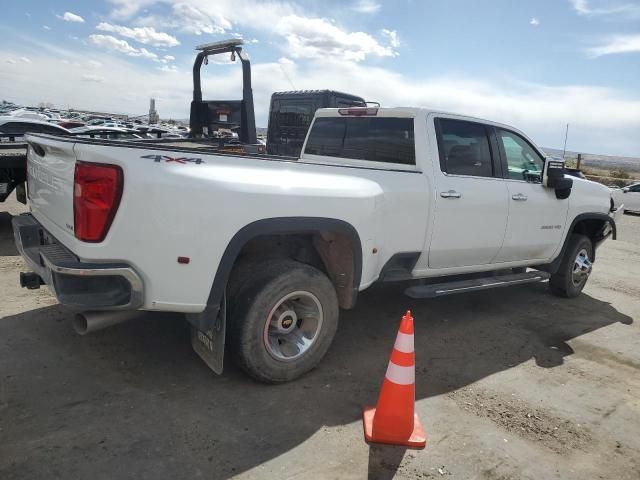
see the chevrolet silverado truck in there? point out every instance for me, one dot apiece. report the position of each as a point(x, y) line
point(261, 252)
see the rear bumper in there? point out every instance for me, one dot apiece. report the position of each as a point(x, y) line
point(80, 285)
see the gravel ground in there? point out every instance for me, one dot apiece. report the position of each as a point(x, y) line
point(511, 384)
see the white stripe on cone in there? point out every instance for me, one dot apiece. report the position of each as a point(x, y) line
point(404, 342)
point(401, 375)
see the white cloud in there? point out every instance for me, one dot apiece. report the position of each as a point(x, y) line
point(366, 6)
point(145, 35)
point(583, 7)
point(189, 18)
point(11, 61)
point(306, 36)
point(88, 77)
point(392, 37)
point(115, 44)
point(168, 58)
point(319, 38)
point(95, 63)
point(616, 45)
point(71, 17)
point(26, 60)
point(535, 22)
point(168, 68)
point(46, 27)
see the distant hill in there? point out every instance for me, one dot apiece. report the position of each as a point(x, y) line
point(606, 162)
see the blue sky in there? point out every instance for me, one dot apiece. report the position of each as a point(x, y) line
point(534, 64)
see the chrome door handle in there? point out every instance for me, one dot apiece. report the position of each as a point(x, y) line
point(450, 194)
point(519, 197)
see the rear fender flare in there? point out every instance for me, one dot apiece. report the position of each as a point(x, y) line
point(270, 226)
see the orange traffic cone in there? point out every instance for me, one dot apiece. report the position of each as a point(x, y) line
point(393, 420)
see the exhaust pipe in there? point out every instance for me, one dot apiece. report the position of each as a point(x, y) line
point(87, 322)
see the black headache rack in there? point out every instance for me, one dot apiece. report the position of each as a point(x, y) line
point(210, 116)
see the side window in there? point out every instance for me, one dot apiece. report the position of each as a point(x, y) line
point(523, 162)
point(388, 140)
point(464, 148)
point(635, 188)
point(13, 127)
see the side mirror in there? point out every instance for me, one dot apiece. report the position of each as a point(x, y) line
point(553, 176)
point(625, 190)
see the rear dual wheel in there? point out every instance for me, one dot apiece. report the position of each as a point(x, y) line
point(283, 320)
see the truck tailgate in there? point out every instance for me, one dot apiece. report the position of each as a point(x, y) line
point(50, 170)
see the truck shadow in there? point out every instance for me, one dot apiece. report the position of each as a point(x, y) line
point(135, 401)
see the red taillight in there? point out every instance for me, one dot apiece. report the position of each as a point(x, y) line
point(358, 111)
point(97, 189)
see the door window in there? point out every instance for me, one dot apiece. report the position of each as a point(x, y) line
point(523, 161)
point(464, 148)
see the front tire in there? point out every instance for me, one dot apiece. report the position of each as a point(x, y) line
point(575, 268)
point(283, 321)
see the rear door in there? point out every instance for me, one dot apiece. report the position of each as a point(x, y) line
point(471, 196)
point(536, 216)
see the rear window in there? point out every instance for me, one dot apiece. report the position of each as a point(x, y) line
point(464, 148)
point(379, 139)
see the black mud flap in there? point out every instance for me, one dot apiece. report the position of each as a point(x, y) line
point(209, 344)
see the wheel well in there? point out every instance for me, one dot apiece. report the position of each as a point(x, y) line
point(332, 252)
point(591, 228)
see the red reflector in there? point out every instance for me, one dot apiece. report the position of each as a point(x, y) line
point(358, 111)
point(97, 189)
point(184, 260)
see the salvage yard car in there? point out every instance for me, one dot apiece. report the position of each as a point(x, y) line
point(260, 252)
point(628, 196)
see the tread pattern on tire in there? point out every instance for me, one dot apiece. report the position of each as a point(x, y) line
point(561, 283)
point(249, 307)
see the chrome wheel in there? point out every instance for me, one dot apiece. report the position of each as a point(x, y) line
point(581, 267)
point(293, 325)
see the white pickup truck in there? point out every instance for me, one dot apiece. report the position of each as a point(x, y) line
point(261, 251)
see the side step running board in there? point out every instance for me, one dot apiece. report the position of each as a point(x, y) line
point(462, 286)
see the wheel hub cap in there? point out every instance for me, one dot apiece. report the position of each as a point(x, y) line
point(582, 267)
point(293, 325)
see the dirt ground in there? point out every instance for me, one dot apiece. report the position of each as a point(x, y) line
point(510, 384)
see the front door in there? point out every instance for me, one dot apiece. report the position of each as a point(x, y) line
point(536, 217)
point(470, 196)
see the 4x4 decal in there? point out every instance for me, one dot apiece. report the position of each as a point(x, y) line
point(167, 159)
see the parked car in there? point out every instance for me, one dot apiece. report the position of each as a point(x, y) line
point(69, 124)
point(18, 126)
point(574, 172)
point(13, 159)
point(269, 248)
point(100, 131)
point(628, 196)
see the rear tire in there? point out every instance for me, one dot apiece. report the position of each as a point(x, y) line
point(575, 267)
point(283, 321)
